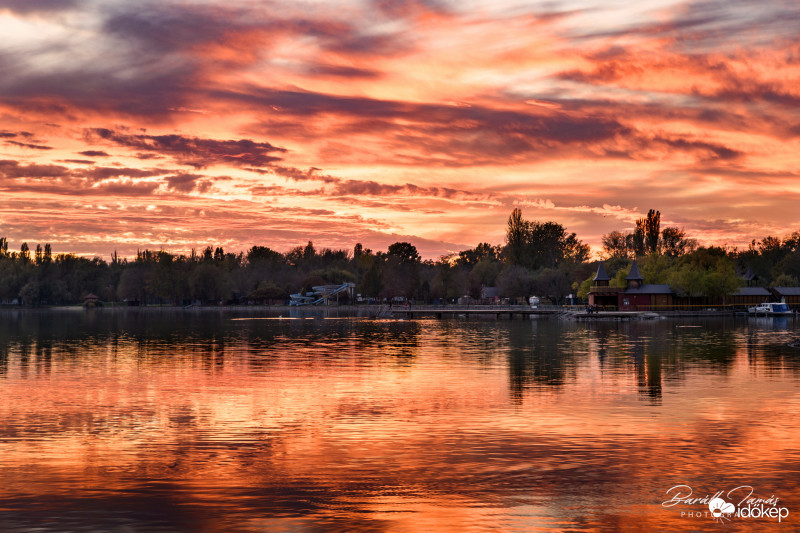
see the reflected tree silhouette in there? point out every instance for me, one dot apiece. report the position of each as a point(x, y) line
point(195, 418)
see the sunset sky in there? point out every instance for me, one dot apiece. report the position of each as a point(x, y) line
point(175, 125)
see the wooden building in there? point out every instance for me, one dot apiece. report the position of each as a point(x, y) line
point(749, 296)
point(635, 296)
point(601, 295)
point(647, 297)
point(790, 295)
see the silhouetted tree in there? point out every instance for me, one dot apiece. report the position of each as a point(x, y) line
point(541, 244)
point(514, 281)
point(443, 282)
point(674, 242)
point(402, 270)
point(132, 283)
point(517, 231)
point(372, 283)
point(29, 294)
point(258, 254)
point(636, 239)
point(309, 252)
point(406, 253)
point(209, 283)
point(652, 232)
point(484, 251)
point(615, 244)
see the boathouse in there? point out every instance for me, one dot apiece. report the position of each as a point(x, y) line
point(601, 295)
point(750, 296)
point(635, 296)
point(790, 295)
point(91, 300)
point(639, 296)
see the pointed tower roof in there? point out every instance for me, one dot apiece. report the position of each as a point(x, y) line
point(601, 273)
point(634, 274)
point(749, 276)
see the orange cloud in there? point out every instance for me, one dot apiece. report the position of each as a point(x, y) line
point(398, 112)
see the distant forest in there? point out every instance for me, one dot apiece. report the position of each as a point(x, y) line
point(537, 258)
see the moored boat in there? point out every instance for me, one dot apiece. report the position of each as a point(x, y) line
point(770, 309)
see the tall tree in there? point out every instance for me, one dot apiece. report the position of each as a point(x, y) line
point(636, 239)
point(484, 251)
point(674, 242)
point(615, 244)
point(372, 282)
point(517, 231)
point(443, 280)
point(541, 244)
point(652, 231)
point(258, 254)
point(402, 270)
point(405, 252)
point(309, 252)
point(792, 242)
point(545, 245)
point(575, 251)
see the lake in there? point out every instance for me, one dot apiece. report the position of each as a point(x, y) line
point(170, 420)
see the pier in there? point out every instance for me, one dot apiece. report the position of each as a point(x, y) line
point(615, 315)
point(418, 311)
point(511, 312)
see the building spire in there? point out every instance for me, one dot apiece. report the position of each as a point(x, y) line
point(601, 273)
point(634, 279)
point(634, 274)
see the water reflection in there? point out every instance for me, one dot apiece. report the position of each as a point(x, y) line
point(192, 421)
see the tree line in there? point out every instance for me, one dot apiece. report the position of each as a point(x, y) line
point(537, 258)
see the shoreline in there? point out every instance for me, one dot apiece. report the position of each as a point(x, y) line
point(412, 312)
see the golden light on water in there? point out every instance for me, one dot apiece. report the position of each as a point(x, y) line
point(415, 424)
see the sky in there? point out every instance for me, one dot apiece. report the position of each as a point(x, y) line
point(176, 125)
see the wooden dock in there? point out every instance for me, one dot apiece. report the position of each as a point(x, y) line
point(473, 311)
point(615, 315)
point(511, 312)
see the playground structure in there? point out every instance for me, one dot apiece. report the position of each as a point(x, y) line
point(321, 294)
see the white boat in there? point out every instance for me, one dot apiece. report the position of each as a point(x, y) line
point(770, 309)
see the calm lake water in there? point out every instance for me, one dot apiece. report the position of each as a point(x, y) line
point(155, 421)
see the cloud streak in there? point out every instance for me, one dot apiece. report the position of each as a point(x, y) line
point(194, 151)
